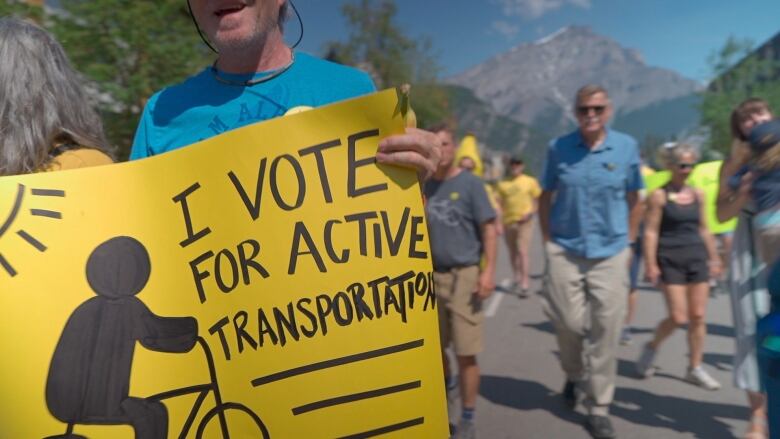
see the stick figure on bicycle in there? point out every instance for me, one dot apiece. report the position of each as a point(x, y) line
point(89, 375)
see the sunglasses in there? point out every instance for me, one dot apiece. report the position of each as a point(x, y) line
point(585, 109)
point(684, 166)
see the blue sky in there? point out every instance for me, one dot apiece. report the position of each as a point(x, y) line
point(674, 34)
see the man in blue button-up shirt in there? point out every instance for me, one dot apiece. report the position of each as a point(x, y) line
point(590, 188)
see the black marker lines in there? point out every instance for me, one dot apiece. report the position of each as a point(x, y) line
point(46, 213)
point(330, 402)
point(337, 362)
point(386, 429)
point(47, 192)
point(8, 268)
point(31, 240)
point(14, 210)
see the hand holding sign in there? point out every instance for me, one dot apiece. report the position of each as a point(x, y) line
point(416, 148)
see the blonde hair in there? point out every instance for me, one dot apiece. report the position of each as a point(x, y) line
point(670, 152)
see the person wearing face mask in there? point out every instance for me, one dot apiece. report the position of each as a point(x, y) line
point(680, 256)
point(747, 277)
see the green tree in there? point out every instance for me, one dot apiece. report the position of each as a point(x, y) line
point(379, 46)
point(128, 49)
point(738, 74)
point(21, 9)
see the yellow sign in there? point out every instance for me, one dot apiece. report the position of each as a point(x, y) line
point(705, 176)
point(271, 282)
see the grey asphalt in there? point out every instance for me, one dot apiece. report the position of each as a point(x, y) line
point(521, 377)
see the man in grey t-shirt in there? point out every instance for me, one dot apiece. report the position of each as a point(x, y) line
point(462, 231)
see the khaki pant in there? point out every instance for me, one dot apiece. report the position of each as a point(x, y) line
point(518, 237)
point(460, 310)
point(586, 301)
point(518, 234)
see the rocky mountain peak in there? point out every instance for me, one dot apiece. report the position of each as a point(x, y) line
point(535, 82)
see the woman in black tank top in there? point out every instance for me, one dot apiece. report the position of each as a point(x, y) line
point(680, 257)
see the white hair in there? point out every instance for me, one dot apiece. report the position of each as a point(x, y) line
point(42, 100)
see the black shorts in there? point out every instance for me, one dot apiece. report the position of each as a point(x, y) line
point(683, 265)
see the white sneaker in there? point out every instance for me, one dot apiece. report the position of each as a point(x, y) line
point(701, 378)
point(644, 364)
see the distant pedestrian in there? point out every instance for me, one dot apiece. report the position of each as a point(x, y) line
point(591, 183)
point(462, 232)
point(681, 257)
point(519, 195)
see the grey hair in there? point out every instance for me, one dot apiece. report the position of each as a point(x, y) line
point(42, 100)
point(587, 91)
point(670, 152)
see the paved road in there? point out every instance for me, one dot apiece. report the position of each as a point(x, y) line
point(521, 378)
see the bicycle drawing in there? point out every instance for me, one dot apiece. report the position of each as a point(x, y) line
point(89, 375)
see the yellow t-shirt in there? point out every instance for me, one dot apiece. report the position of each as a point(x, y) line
point(518, 196)
point(78, 158)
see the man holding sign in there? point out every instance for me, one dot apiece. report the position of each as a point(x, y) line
point(257, 77)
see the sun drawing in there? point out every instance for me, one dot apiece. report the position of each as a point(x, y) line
point(16, 208)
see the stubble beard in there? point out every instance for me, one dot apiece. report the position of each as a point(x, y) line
point(253, 43)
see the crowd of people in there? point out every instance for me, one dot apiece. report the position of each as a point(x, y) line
point(596, 220)
point(598, 224)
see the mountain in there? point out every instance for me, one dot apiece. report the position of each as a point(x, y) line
point(675, 117)
point(534, 83)
point(498, 132)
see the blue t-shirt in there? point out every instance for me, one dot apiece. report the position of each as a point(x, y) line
point(589, 214)
point(202, 107)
